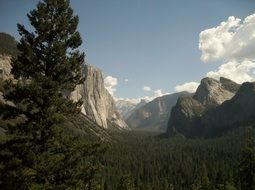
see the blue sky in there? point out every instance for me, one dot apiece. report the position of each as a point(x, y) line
point(149, 42)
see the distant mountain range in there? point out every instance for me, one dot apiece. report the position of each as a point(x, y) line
point(126, 107)
point(215, 108)
point(154, 115)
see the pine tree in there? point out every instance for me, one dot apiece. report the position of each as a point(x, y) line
point(38, 153)
point(246, 172)
point(126, 183)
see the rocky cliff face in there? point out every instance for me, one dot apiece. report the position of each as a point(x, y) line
point(240, 110)
point(187, 115)
point(5, 66)
point(212, 93)
point(98, 104)
point(154, 115)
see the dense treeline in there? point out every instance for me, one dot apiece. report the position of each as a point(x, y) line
point(143, 161)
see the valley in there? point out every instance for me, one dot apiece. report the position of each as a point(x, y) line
point(162, 123)
point(142, 160)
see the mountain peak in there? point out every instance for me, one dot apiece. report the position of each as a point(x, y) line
point(229, 84)
point(212, 92)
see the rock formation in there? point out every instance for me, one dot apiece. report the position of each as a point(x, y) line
point(98, 104)
point(212, 93)
point(188, 115)
point(5, 66)
point(240, 110)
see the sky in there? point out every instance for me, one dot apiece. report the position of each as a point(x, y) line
point(148, 48)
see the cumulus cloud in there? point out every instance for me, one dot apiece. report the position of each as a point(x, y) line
point(157, 93)
point(110, 84)
point(231, 40)
point(146, 88)
point(238, 72)
point(188, 87)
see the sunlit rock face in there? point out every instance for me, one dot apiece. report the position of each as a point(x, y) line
point(5, 67)
point(98, 104)
point(212, 93)
point(191, 115)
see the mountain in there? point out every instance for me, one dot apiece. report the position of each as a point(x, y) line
point(126, 108)
point(83, 126)
point(154, 115)
point(185, 116)
point(212, 93)
point(240, 110)
point(8, 45)
point(98, 104)
point(216, 107)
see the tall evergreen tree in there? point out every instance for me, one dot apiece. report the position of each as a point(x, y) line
point(37, 152)
point(247, 164)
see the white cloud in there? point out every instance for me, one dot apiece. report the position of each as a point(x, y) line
point(126, 80)
point(188, 87)
point(110, 84)
point(231, 40)
point(238, 72)
point(157, 93)
point(146, 88)
point(233, 43)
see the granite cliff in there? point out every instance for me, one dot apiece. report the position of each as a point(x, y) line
point(98, 104)
point(215, 108)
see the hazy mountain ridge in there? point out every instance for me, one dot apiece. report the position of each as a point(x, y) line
point(126, 107)
point(154, 115)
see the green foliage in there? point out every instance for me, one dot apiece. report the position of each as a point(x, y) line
point(126, 183)
point(247, 164)
point(38, 152)
point(176, 163)
point(8, 45)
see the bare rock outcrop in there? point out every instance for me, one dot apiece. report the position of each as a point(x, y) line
point(98, 104)
point(5, 67)
point(188, 115)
